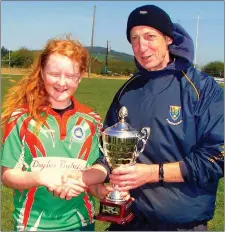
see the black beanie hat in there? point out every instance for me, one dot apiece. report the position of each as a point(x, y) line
point(152, 16)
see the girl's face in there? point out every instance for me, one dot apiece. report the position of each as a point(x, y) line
point(61, 78)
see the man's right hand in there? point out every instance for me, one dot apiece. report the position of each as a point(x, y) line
point(71, 185)
point(100, 191)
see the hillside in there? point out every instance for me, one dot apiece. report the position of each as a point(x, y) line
point(119, 63)
point(99, 53)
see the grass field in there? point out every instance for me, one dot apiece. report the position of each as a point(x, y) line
point(96, 93)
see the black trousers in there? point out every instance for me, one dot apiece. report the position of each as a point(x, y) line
point(140, 225)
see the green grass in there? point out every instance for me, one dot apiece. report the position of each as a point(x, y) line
point(98, 94)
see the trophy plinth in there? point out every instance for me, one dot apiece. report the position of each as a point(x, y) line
point(119, 146)
point(115, 212)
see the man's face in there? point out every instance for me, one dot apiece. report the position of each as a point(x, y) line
point(150, 47)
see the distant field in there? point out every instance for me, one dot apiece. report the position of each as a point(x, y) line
point(98, 94)
point(100, 57)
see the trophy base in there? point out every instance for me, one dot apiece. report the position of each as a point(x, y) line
point(119, 212)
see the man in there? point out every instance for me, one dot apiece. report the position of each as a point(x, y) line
point(175, 179)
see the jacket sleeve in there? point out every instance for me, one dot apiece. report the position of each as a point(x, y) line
point(112, 114)
point(205, 165)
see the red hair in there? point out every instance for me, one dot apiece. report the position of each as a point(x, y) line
point(30, 90)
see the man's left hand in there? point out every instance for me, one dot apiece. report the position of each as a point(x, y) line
point(128, 177)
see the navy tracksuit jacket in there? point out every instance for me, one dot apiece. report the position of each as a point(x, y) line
point(184, 109)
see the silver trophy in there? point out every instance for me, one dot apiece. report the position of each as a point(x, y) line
point(120, 144)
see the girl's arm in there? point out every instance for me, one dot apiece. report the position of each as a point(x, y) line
point(15, 178)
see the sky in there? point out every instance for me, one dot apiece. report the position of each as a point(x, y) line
point(31, 23)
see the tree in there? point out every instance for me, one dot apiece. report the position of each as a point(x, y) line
point(4, 52)
point(22, 58)
point(215, 69)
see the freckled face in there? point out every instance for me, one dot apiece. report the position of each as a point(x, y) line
point(150, 47)
point(61, 78)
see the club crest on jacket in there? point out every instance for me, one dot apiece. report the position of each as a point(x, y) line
point(174, 115)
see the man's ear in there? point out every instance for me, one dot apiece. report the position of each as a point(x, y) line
point(169, 40)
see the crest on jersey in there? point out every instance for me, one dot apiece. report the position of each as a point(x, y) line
point(78, 133)
point(175, 115)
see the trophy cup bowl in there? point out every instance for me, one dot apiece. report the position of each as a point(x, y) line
point(120, 146)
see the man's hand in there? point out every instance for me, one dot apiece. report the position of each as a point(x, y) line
point(128, 177)
point(100, 191)
point(72, 185)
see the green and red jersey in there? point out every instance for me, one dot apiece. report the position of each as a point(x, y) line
point(63, 143)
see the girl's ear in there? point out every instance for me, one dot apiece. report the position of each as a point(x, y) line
point(81, 76)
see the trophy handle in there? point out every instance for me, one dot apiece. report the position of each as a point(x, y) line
point(100, 143)
point(143, 138)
